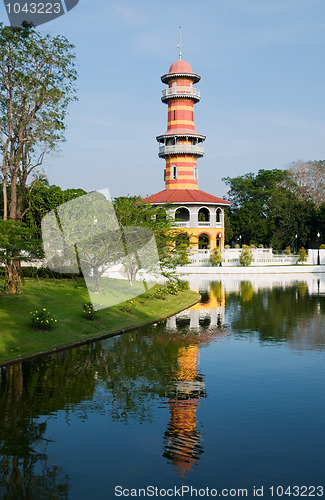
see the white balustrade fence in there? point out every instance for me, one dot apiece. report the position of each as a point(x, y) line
point(261, 257)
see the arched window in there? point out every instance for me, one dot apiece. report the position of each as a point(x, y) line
point(182, 214)
point(174, 172)
point(204, 214)
point(218, 240)
point(204, 241)
point(219, 215)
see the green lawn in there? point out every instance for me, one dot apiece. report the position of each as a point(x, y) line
point(64, 299)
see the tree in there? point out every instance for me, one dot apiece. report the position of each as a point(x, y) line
point(289, 216)
point(250, 196)
point(131, 211)
point(42, 198)
point(36, 85)
point(266, 209)
point(16, 245)
point(307, 180)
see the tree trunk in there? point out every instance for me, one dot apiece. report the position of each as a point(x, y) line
point(13, 198)
point(5, 199)
point(97, 276)
point(12, 278)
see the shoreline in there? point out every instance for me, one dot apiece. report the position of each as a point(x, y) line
point(101, 336)
point(221, 270)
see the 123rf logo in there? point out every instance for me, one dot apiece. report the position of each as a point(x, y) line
point(35, 11)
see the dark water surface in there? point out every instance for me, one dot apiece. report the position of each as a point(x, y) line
point(228, 395)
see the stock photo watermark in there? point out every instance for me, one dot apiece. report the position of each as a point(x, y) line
point(35, 11)
point(83, 235)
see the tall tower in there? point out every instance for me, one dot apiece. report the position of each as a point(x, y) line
point(181, 145)
point(198, 215)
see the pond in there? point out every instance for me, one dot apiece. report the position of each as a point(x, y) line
point(226, 398)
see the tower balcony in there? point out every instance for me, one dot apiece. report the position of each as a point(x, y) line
point(189, 149)
point(173, 92)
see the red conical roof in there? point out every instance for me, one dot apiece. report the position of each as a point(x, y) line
point(180, 67)
point(184, 196)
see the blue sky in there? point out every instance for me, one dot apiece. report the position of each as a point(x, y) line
point(262, 88)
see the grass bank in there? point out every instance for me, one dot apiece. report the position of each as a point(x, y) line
point(64, 299)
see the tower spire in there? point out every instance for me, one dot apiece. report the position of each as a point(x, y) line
point(180, 43)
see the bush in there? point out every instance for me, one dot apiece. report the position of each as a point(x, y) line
point(160, 293)
point(302, 256)
point(322, 247)
point(43, 319)
point(215, 257)
point(246, 257)
point(45, 272)
point(287, 251)
point(172, 287)
point(88, 310)
point(183, 285)
point(127, 307)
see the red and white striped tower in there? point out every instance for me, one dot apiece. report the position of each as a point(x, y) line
point(199, 215)
point(181, 145)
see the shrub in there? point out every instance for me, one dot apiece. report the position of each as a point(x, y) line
point(127, 307)
point(172, 287)
point(43, 319)
point(322, 247)
point(160, 293)
point(182, 285)
point(215, 257)
point(88, 310)
point(287, 251)
point(45, 272)
point(246, 257)
point(302, 255)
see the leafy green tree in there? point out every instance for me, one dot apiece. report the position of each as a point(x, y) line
point(289, 216)
point(131, 211)
point(181, 255)
point(229, 229)
point(250, 196)
point(16, 245)
point(37, 75)
point(42, 198)
point(267, 210)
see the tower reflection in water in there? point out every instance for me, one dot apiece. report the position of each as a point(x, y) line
point(201, 324)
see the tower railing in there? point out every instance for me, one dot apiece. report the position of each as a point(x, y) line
point(181, 92)
point(194, 149)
